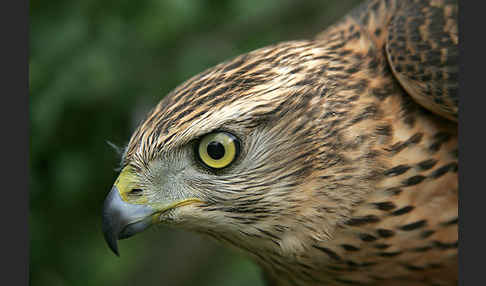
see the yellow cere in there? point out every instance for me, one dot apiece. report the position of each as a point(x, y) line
point(229, 150)
point(125, 183)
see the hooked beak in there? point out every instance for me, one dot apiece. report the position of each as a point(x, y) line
point(124, 216)
point(122, 220)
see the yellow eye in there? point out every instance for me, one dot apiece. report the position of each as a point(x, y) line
point(218, 150)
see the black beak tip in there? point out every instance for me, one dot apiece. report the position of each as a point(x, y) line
point(110, 238)
point(109, 232)
point(112, 243)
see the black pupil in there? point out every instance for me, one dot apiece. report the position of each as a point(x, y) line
point(215, 150)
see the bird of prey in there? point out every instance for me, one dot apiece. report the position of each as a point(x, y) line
point(329, 161)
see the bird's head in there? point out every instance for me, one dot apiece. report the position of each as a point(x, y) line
point(250, 152)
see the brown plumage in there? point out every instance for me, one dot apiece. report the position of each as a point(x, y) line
point(347, 168)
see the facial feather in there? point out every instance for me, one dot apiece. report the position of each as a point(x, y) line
point(335, 160)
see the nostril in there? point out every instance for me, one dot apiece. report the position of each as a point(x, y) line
point(135, 192)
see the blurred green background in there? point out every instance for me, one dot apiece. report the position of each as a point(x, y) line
point(96, 67)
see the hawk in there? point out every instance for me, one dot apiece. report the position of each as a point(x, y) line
point(329, 161)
